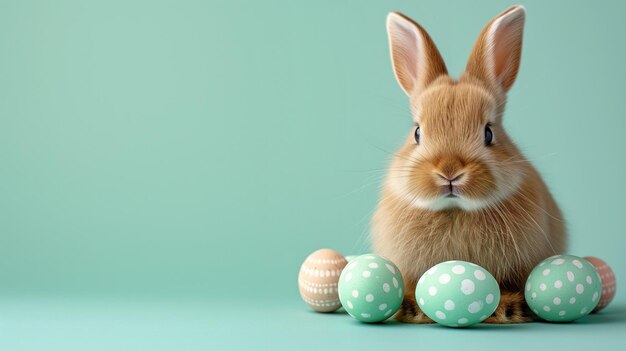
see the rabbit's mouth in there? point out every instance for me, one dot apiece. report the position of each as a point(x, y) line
point(450, 191)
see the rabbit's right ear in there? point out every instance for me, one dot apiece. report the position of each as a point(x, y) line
point(415, 58)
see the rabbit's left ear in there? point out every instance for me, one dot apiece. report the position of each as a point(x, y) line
point(415, 59)
point(495, 58)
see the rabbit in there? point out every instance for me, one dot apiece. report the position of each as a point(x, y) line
point(459, 188)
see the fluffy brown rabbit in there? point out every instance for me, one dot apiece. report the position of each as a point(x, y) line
point(459, 189)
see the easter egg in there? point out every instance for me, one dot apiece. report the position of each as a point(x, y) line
point(457, 293)
point(563, 288)
point(351, 257)
point(371, 288)
point(607, 279)
point(318, 279)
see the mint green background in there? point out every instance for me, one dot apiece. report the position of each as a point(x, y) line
point(157, 153)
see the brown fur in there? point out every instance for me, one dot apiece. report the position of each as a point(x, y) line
point(507, 236)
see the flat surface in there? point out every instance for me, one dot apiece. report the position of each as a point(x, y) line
point(172, 324)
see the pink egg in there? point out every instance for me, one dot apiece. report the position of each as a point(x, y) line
point(318, 280)
point(608, 281)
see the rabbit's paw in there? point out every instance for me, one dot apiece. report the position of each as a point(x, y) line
point(411, 313)
point(511, 309)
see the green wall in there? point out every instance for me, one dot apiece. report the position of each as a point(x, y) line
point(204, 148)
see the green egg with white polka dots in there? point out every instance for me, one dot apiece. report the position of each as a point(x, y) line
point(563, 288)
point(457, 293)
point(371, 288)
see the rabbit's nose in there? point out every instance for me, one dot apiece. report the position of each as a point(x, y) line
point(449, 169)
point(450, 178)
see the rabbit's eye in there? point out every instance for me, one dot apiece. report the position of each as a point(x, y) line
point(488, 136)
point(417, 135)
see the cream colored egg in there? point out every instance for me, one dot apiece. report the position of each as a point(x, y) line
point(318, 278)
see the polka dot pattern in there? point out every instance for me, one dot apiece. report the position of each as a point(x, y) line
point(569, 288)
point(457, 293)
point(371, 288)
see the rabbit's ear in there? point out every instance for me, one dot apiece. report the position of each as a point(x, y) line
point(415, 58)
point(495, 58)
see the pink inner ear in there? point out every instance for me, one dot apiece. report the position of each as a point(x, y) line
point(503, 49)
point(406, 54)
point(507, 48)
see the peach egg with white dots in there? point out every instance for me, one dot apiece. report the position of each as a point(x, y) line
point(607, 279)
point(318, 278)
